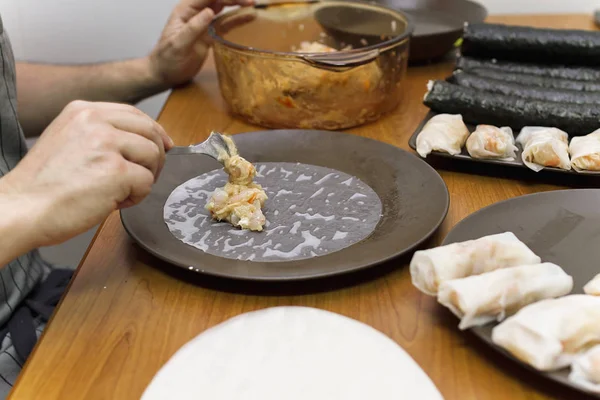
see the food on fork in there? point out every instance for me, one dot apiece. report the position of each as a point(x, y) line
point(444, 132)
point(240, 202)
point(494, 295)
point(544, 147)
point(490, 142)
point(550, 334)
point(430, 268)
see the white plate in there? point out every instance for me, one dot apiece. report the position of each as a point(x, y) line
point(291, 353)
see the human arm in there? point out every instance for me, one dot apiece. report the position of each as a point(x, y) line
point(43, 90)
point(17, 229)
point(93, 159)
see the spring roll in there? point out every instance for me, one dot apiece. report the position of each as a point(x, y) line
point(445, 133)
point(585, 370)
point(585, 152)
point(550, 334)
point(429, 268)
point(593, 286)
point(490, 142)
point(494, 295)
point(544, 147)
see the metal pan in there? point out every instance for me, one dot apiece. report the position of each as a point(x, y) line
point(438, 24)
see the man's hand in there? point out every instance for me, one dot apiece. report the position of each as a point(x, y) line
point(176, 59)
point(92, 159)
point(183, 46)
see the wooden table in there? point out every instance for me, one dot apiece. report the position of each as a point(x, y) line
point(124, 315)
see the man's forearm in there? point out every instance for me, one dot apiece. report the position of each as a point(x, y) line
point(17, 225)
point(44, 90)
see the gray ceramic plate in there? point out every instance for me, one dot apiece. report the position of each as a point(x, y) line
point(562, 227)
point(414, 197)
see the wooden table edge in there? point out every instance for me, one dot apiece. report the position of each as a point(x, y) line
point(63, 297)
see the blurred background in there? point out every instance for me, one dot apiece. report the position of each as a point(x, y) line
point(85, 31)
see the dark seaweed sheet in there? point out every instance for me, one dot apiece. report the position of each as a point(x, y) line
point(464, 78)
point(539, 81)
point(478, 107)
point(526, 44)
point(551, 71)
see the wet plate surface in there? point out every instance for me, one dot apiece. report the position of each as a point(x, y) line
point(337, 203)
point(311, 211)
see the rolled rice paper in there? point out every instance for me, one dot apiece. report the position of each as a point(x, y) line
point(544, 147)
point(593, 286)
point(430, 268)
point(445, 133)
point(585, 370)
point(491, 142)
point(585, 152)
point(550, 334)
point(492, 296)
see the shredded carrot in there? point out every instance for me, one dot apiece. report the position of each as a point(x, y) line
point(286, 101)
point(367, 85)
point(491, 144)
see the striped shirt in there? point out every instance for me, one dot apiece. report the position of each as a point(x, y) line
point(21, 275)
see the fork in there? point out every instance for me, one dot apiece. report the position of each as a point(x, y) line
point(212, 147)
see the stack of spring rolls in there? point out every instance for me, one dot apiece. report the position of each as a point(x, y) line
point(520, 76)
point(497, 278)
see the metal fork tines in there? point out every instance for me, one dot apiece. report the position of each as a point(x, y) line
point(213, 147)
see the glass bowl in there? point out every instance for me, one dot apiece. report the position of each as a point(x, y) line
point(315, 65)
